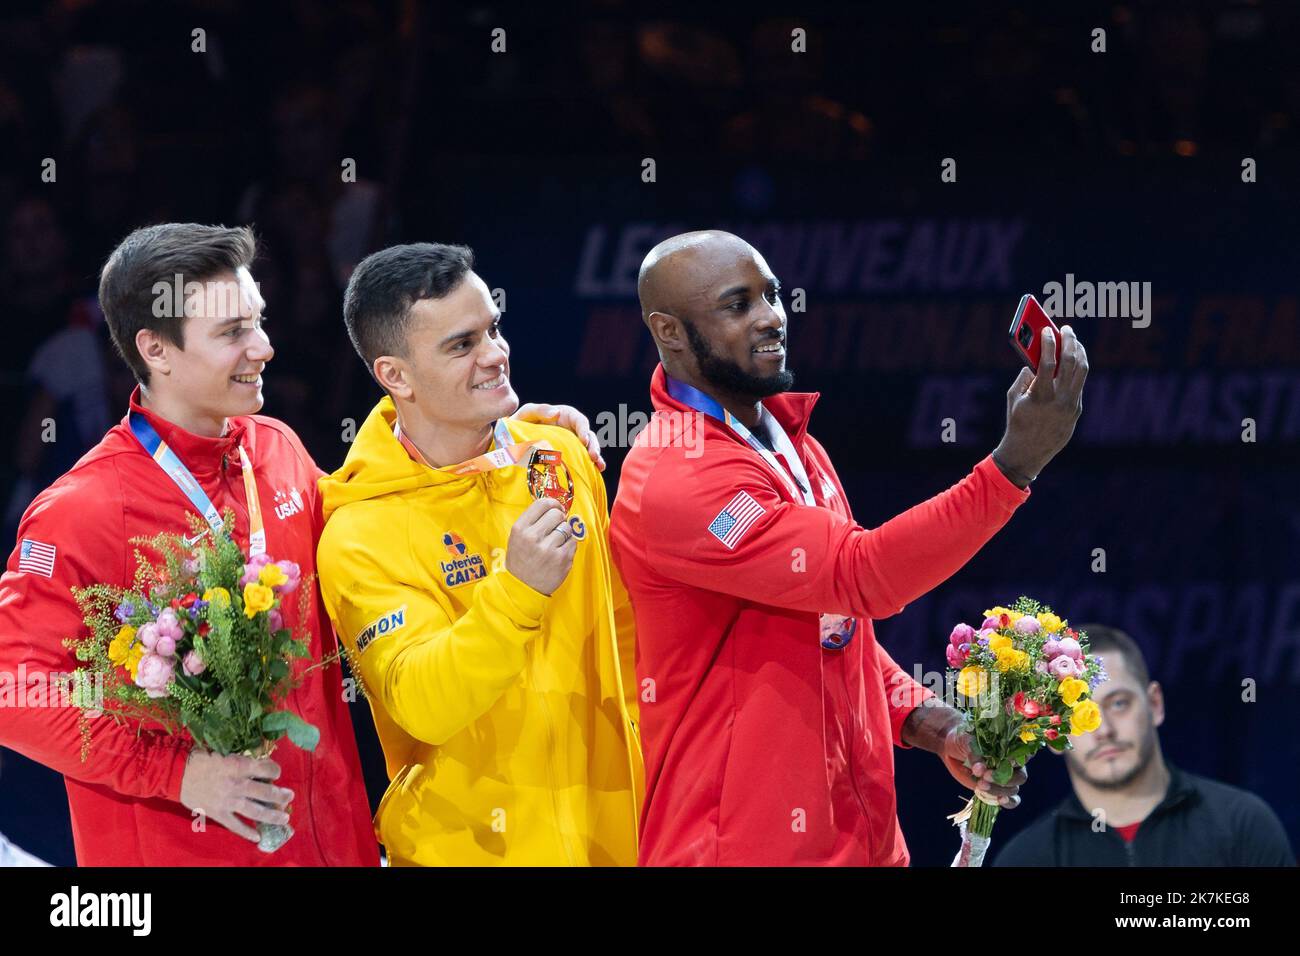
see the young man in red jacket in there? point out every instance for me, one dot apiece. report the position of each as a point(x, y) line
point(768, 709)
point(198, 353)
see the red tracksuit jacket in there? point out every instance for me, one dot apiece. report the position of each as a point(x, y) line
point(124, 798)
point(761, 747)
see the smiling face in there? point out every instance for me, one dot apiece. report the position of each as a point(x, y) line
point(1117, 752)
point(218, 372)
point(723, 317)
point(456, 366)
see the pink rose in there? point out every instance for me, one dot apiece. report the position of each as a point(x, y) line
point(961, 634)
point(1061, 667)
point(253, 568)
point(148, 635)
point(154, 674)
point(166, 646)
point(1070, 648)
point(957, 655)
point(991, 621)
point(1080, 668)
point(194, 665)
point(293, 573)
point(168, 624)
point(1026, 625)
point(1051, 649)
point(274, 619)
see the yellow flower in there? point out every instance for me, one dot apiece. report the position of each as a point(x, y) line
point(120, 647)
point(973, 681)
point(998, 641)
point(1010, 659)
point(272, 575)
point(257, 597)
point(997, 611)
point(218, 597)
point(1071, 690)
point(1027, 734)
point(1050, 622)
point(1015, 616)
point(133, 659)
point(1085, 718)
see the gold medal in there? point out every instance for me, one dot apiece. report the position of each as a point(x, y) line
point(548, 477)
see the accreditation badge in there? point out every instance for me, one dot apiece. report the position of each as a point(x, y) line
point(548, 477)
point(837, 630)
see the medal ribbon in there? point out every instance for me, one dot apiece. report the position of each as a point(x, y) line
point(798, 486)
point(504, 453)
point(175, 469)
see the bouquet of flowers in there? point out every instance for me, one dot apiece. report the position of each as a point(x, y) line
point(1024, 681)
point(197, 645)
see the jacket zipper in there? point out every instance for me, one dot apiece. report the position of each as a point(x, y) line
point(306, 756)
point(853, 742)
point(550, 754)
point(561, 838)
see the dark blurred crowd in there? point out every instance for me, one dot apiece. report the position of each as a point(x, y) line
point(144, 120)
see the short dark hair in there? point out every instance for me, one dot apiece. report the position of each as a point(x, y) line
point(384, 286)
point(156, 254)
point(1103, 640)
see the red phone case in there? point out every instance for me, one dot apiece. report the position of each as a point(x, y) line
point(1026, 332)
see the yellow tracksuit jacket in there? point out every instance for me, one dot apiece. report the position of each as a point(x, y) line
point(508, 718)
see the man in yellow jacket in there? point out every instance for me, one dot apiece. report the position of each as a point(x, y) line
point(487, 623)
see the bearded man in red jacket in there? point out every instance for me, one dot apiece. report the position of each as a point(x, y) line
point(769, 712)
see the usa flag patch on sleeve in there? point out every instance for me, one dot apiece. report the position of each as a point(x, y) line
point(734, 520)
point(36, 557)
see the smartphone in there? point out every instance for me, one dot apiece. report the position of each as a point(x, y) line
point(1027, 330)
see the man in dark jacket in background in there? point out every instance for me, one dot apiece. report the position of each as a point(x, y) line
point(1130, 807)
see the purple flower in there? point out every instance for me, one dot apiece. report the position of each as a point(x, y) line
point(199, 606)
point(1099, 678)
point(194, 665)
point(124, 611)
point(274, 619)
point(985, 634)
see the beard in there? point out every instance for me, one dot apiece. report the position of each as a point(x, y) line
point(726, 375)
point(1146, 752)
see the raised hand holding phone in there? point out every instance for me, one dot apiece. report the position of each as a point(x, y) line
point(1044, 404)
point(1027, 328)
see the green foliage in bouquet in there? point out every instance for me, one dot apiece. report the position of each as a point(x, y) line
point(197, 644)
